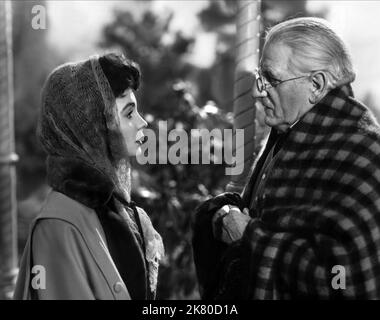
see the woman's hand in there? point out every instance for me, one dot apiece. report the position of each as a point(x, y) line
point(229, 223)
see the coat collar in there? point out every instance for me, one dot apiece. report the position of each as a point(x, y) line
point(334, 111)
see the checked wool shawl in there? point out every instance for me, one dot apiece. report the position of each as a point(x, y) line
point(321, 209)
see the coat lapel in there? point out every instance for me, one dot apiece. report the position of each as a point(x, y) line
point(59, 206)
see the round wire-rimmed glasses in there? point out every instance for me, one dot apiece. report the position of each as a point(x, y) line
point(263, 83)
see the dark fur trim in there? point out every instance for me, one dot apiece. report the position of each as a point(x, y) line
point(79, 181)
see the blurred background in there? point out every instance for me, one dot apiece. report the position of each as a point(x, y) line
point(186, 53)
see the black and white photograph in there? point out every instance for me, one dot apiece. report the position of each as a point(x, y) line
point(209, 151)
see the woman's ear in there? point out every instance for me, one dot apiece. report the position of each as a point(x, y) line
point(319, 86)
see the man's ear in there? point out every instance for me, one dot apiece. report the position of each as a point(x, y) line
point(319, 86)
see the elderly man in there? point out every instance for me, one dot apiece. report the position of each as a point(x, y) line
point(312, 229)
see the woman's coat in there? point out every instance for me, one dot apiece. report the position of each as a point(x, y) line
point(72, 260)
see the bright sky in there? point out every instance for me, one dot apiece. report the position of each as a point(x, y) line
point(75, 26)
point(358, 23)
point(186, 20)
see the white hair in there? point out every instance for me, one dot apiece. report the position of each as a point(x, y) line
point(315, 46)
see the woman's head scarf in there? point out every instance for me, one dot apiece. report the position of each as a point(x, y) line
point(79, 121)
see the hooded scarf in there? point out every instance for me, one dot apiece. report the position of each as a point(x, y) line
point(315, 229)
point(87, 160)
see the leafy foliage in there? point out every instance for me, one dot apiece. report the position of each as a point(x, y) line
point(169, 193)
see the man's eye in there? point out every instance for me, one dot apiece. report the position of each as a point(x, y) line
point(273, 81)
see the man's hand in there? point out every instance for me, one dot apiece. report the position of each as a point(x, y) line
point(229, 223)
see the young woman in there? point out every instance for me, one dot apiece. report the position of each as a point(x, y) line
point(90, 241)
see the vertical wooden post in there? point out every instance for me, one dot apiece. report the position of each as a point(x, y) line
point(8, 210)
point(247, 58)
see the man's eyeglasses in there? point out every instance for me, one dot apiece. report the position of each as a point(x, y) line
point(264, 83)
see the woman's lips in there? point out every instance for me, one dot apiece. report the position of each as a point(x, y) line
point(141, 138)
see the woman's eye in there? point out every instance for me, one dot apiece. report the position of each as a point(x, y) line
point(129, 113)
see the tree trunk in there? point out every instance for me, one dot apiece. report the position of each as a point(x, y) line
point(247, 58)
point(8, 211)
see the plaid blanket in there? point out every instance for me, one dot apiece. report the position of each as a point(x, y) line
point(316, 233)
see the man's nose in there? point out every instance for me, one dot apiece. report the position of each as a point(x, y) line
point(256, 93)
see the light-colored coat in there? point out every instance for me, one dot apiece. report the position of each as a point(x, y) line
point(72, 250)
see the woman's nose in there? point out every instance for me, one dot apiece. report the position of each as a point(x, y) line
point(143, 123)
point(256, 93)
